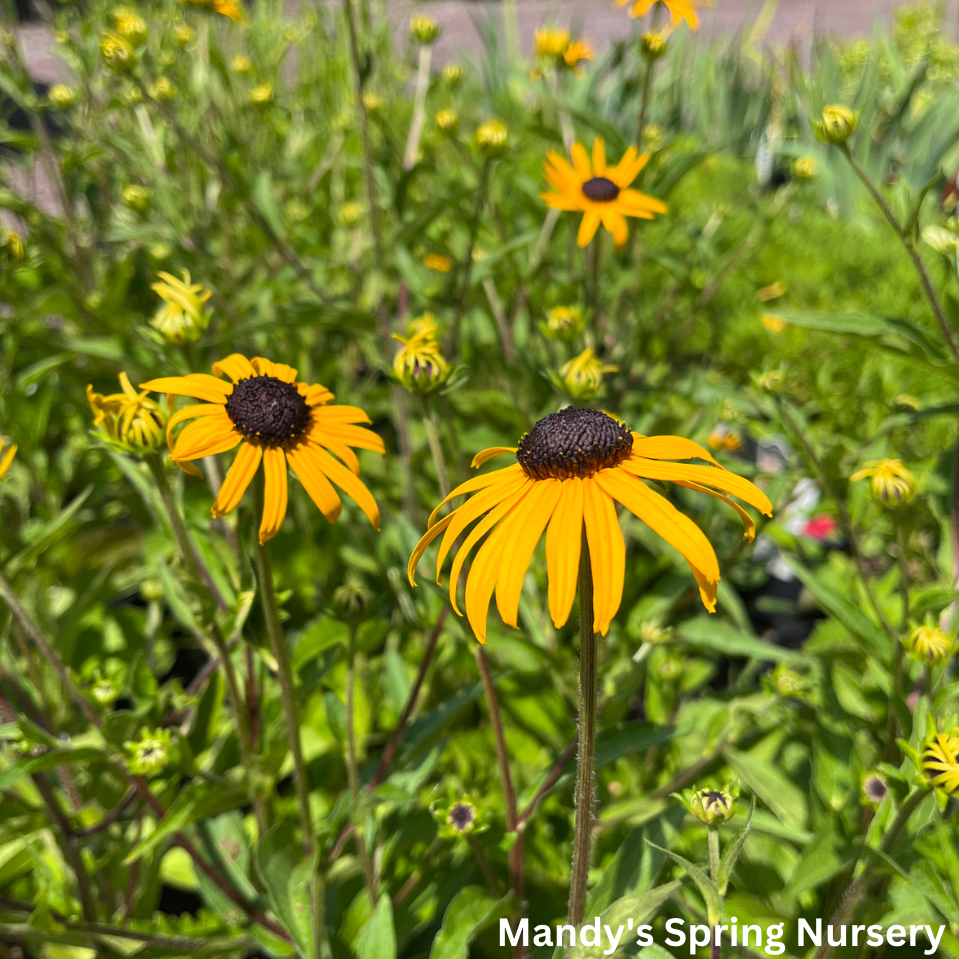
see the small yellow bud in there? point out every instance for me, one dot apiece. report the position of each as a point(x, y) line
point(424, 29)
point(438, 262)
point(929, 645)
point(183, 316)
point(162, 90)
point(550, 43)
point(349, 213)
point(128, 421)
point(373, 102)
point(183, 34)
point(564, 323)
point(262, 94)
point(453, 74)
point(241, 64)
point(136, 197)
point(13, 246)
point(447, 121)
point(773, 322)
point(892, 484)
point(117, 52)
point(837, 125)
point(492, 139)
point(711, 806)
point(130, 25)
point(652, 45)
point(582, 376)
point(61, 96)
point(804, 169)
point(420, 365)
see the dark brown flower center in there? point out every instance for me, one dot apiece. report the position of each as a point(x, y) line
point(265, 409)
point(461, 815)
point(573, 442)
point(600, 190)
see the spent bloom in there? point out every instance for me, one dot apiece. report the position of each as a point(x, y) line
point(275, 420)
point(929, 645)
point(570, 471)
point(128, 421)
point(183, 317)
point(420, 364)
point(149, 755)
point(457, 818)
point(679, 10)
point(773, 322)
point(891, 483)
point(492, 138)
point(424, 29)
point(837, 125)
point(349, 213)
point(875, 788)
point(582, 376)
point(711, 806)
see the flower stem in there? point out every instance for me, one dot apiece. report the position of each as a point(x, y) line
point(352, 764)
point(419, 106)
point(586, 749)
point(264, 571)
point(644, 104)
point(712, 837)
point(436, 448)
point(481, 191)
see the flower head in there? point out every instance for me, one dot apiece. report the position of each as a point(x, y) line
point(940, 761)
point(127, 421)
point(600, 192)
point(182, 318)
point(892, 484)
point(723, 438)
point(352, 601)
point(837, 125)
point(437, 262)
point(262, 94)
point(652, 45)
point(12, 246)
point(226, 8)
point(929, 645)
point(149, 755)
point(350, 213)
point(373, 102)
point(576, 53)
point(6, 458)
point(61, 96)
point(457, 818)
point(129, 25)
point(446, 120)
point(241, 64)
point(679, 10)
point(420, 365)
point(135, 197)
point(492, 138)
point(711, 806)
point(454, 74)
point(804, 168)
point(183, 34)
point(424, 29)
point(773, 322)
point(550, 43)
point(565, 322)
point(162, 89)
point(875, 788)
point(117, 52)
point(582, 376)
point(274, 419)
point(571, 470)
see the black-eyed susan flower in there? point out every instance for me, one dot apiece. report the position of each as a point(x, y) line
point(420, 364)
point(599, 191)
point(183, 316)
point(679, 10)
point(890, 481)
point(571, 470)
point(940, 761)
point(929, 645)
point(6, 458)
point(277, 421)
point(135, 197)
point(582, 377)
point(128, 421)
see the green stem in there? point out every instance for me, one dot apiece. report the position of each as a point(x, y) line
point(715, 948)
point(644, 104)
point(481, 191)
point(198, 573)
point(436, 448)
point(352, 765)
point(586, 749)
point(264, 570)
point(910, 247)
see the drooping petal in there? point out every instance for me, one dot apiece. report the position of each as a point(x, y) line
point(201, 386)
point(274, 492)
point(236, 366)
point(607, 553)
point(634, 203)
point(281, 371)
point(749, 533)
point(482, 578)
point(188, 413)
point(204, 437)
point(670, 448)
point(484, 456)
point(424, 542)
point(588, 227)
point(350, 485)
point(563, 541)
point(319, 488)
point(615, 222)
point(528, 522)
point(472, 485)
point(581, 162)
point(344, 433)
point(599, 157)
point(665, 520)
point(238, 478)
point(722, 479)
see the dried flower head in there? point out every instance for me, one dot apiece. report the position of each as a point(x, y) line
point(940, 761)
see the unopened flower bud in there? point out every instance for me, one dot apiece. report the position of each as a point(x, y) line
point(492, 139)
point(652, 45)
point(711, 806)
point(424, 29)
point(929, 645)
point(837, 125)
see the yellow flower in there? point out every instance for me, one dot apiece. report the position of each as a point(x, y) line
point(940, 761)
point(262, 93)
point(127, 421)
point(13, 246)
point(652, 45)
point(277, 421)
point(135, 197)
point(61, 96)
point(420, 364)
point(373, 102)
point(162, 89)
point(227, 8)
point(117, 52)
point(583, 375)
point(183, 34)
point(550, 43)
point(182, 318)
point(679, 10)
point(435, 261)
point(349, 213)
point(129, 24)
point(804, 168)
point(929, 646)
point(492, 138)
point(711, 806)
point(565, 322)
point(772, 292)
point(571, 469)
point(576, 53)
point(891, 482)
point(837, 125)
point(424, 29)
point(723, 438)
point(6, 458)
point(241, 64)
point(599, 191)
point(453, 74)
point(446, 120)
point(773, 322)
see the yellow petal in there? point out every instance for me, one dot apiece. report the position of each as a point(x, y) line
point(424, 543)
point(607, 553)
point(344, 433)
point(615, 222)
point(238, 478)
point(581, 162)
point(482, 579)
point(274, 492)
point(599, 157)
point(189, 413)
point(563, 541)
point(201, 386)
point(7, 457)
point(209, 435)
point(350, 485)
point(236, 366)
point(319, 488)
point(749, 533)
point(281, 371)
point(471, 486)
point(316, 395)
point(670, 448)
point(588, 227)
point(527, 523)
point(337, 414)
point(485, 456)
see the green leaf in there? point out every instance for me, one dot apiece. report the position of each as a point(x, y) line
point(265, 202)
point(731, 852)
point(377, 939)
point(717, 636)
point(47, 534)
point(469, 911)
point(924, 878)
point(820, 862)
point(288, 879)
point(705, 885)
point(773, 787)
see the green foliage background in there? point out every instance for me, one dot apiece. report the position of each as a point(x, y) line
point(253, 200)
